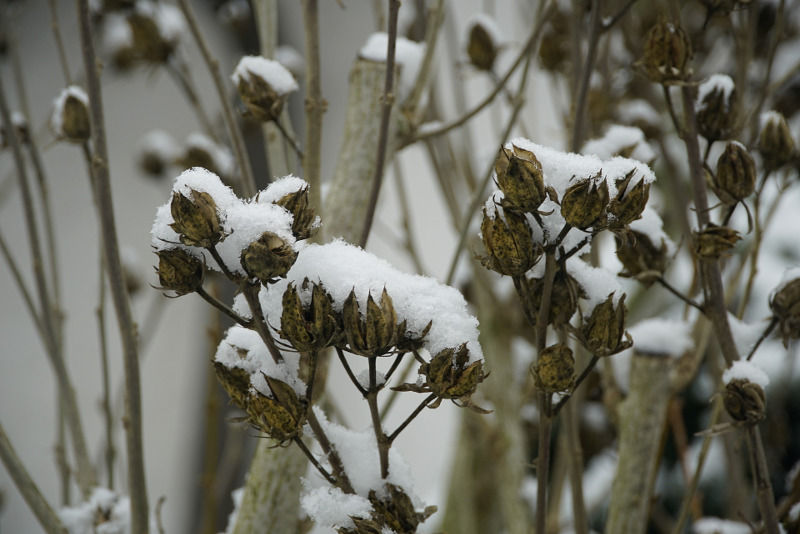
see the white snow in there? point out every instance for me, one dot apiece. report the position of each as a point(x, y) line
point(158, 143)
point(342, 267)
point(276, 75)
point(331, 507)
point(651, 225)
point(281, 187)
point(292, 59)
point(744, 370)
point(490, 25)
point(168, 18)
point(714, 525)
point(721, 83)
point(408, 54)
point(597, 283)
point(618, 139)
point(57, 116)
point(638, 110)
point(220, 155)
point(657, 336)
point(770, 116)
point(117, 33)
point(236, 496)
point(103, 505)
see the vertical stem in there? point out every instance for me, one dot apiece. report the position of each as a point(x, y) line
point(380, 436)
point(315, 105)
point(595, 29)
point(766, 500)
point(110, 452)
point(137, 488)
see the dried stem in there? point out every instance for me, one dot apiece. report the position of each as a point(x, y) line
point(581, 102)
point(313, 459)
point(62, 55)
point(583, 376)
point(222, 307)
point(248, 180)
point(669, 287)
point(180, 73)
point(100, 311)
point(315, 105)
point(137, 488)
point(384, 443)
point(766, 501)
point(250, 292)
point(434, 25)
point(349, 371)
point(27, 487)
point(342, 480)
point(386, 112)
point(429, 399)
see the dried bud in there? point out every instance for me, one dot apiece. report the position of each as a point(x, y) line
point(155, 152)
point(604, 329)
point(20, 124)
point(584, 203)
point(481, 47)
point(196, 219)
point(156, 29)
point(639, 256)
point(629, 204)
point(236, 383)
point(200, 151)
point(714, 241)
point(179, 271)
point(509, 243)
point(717, 110)
point(449, 375)
point(667, 53)
point(775, 142)
point(70, 118)
point(281, 416)
point(393, 513)
point(785, 304)
point(309, 327)
point(563, 298)
point(263, 85)
point(268, 258)
point(553, 51)
point(736, 174)
point(377, 332)
point(304, 222)
point(745, 401)
point(520, 178)
point(554, 372)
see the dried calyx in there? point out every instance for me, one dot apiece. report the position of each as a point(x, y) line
point(311, 326)
point(376, 331)
point(509, 242)
point(179, 271)
point(745, 401)
point(603, 331)
point(304, 223)
point(714, 241)
point(775, 142)
point(268, 258)
point(197, 221)
point(554, 371)
point(736, 174)
point(785, 304)
point(585, 203)
point(667, 54)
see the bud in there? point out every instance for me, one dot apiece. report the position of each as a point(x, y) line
point(196, 219)
point(377, 331)
point(303, 222)
point(394, 512)
point(236, 383)
point(156, 30)
point(628, 205)
point(554, 371)
point(667, 53)
point(639, 256)
point(309, 327)
point(281, 416)
point(563, 298)
point(482, 48)
point(775, 141)
point(584, 203)
point(267, 258)
point(745, 401)
point(520, 178)
point(604, 328)
point(736, 174)
point(70, 119)
point(201, 151)
point(263, 85)
point(509, 243)
point(179, 271)
point(785, 304)
point(717, 111)
point(449, 375)
point(714, 241)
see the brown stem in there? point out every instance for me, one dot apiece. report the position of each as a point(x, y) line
point(542, 462)
point(110, 452)
point(349, 372)
point(315, 105)
point(766, 501)
point(342, 480)
point(62, 55)
point(595, 30)
point(669, 287)
point(429, 399)
point(384, 443)
point(137, 487)
point(182, 77)
point(238, 319)
point(311, 458)
point(250, 292)
point(583, 376)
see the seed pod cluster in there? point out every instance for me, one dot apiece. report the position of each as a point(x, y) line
point(714, 241)
point(520, 178)
point(313, 326)
point(394, 512)
point(509, 242)
point(304, 222)
point(630, 201)
point(717, 110)
point(376, 331)
point(785, 304)
point(264, 86)
point(641, 258)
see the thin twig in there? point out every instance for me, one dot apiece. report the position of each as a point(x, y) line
point(372, 400)
point(248, 180)
point(764, 335)
point(181, 75)
point(766, 501)
point(434, 25)
point(581, 102)
point(611, 22)
point(313, 459)
point(23, 289)
point(342, 480)
point(349, 371)
point(137, 488)
point(669, 287)
point(583, 376)
point(250, 292)
point(100, 311)
point(315, 105)
point(238, 319)
point(62, 55)
point(429, 399)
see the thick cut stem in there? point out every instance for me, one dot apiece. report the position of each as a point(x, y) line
point(766, 500)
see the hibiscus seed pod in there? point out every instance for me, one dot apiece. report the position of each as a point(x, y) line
point(309, 327)
point(736, 174)
point(563, 298)
point(449, 375)
point(376, 332)
point(268, 258)
point(196, 219)
point(718, 111)
point(714, 241)
point(667, 53)
point(179, 271)
point(775, 141)
point(785, 304)
point(604, 329)
point(303, 218)
point(520, 178)
point(70, 120)
point(235, 381)
point(263, 85)
point(745, 401)
point(281, 416)
point(629, 203)
point(554, 371)
point(639, 256)
point(481, 47)
point(509, 243)
point(584, 203)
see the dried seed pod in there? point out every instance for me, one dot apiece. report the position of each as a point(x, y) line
point(482, 48)
point(775, 142)
point(235, 382)
point(563, 298)
point(667, 53)
point(376, 332)
point(714, 241)
point(585, 202)
point(736, 174)
point(281, 416)
point(196, 219)
point(554, 371)
point(520, 178)
point(640, 256)
point(309, 327)
point(304, 222)
point(70, 118)
point(395, 512)
point(745, 401)
point(268, 258)
point(179, 271)
point(629, 203)
point(263, 85)
point(785, 304)
point(449, 375)
point(603, 330)
point(509, 243)
point(717, 108)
